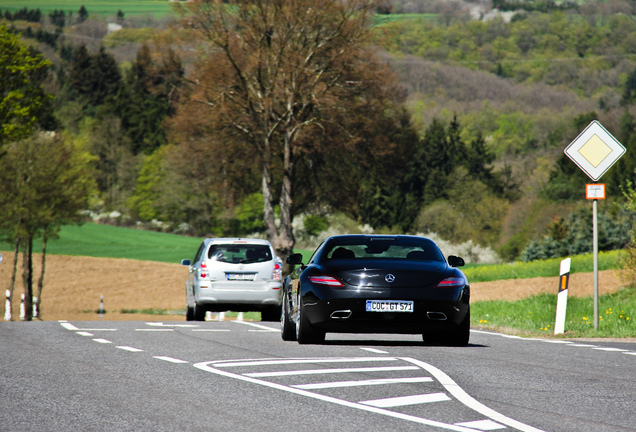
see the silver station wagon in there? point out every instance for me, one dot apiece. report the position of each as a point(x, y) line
point(235, 274)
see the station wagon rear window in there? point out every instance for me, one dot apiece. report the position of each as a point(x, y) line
point(239, 253)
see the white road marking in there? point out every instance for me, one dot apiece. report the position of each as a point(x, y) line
point(407, 400)
point(155, 330)
point(459, 393)
point(373, 350)
point(206, 366)
point(630, 353)
point(611, 349)
point(583, 345)
point(266, 362)
point(380, 381)
point(160, 324)
point(68, 326)
point(259, 326)
point(131, 349)
point(330, 371)
point(170, 359)
point(483, 425)
point(83, 333)
point(102, 341)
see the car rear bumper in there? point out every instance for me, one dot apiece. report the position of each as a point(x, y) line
point(350, 316)
point(266, 293)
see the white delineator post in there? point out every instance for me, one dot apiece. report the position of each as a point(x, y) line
point(7, 307)
point(562, 296)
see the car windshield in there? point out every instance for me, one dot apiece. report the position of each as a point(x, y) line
point(408, 249)
point(239, 254)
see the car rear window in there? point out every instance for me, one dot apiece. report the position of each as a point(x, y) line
point(239, 254)
point(386, 248)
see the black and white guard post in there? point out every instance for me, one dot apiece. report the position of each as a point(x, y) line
point(562, 296)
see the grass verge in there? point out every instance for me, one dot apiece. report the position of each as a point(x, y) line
point(535, 316)
point(542, 268)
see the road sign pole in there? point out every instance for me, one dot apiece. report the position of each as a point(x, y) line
point(595, 246)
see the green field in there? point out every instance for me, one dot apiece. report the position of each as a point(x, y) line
point(157, 8)
point(115, 242)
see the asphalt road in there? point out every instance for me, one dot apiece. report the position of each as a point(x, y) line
point(235, 376)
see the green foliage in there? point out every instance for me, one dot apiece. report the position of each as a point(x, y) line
point(22, 99)
point(573, 236)
point(249, 215)
point(527, 50)
point(94, 79)
point(315, 224)
point(471, 212)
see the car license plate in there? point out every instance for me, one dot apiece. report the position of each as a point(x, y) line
point(389, 306)
point(241, 276)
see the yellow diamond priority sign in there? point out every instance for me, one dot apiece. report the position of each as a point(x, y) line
point(595, 150)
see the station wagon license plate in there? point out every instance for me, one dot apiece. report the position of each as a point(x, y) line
point(240, 276)
point(389, 306)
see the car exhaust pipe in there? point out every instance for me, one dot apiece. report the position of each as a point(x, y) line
point(436, 316)
point(341, 314)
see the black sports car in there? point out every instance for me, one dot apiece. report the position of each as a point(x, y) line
point(377, 284)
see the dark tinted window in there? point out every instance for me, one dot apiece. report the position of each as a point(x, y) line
point(411, 249)
point(240, 253)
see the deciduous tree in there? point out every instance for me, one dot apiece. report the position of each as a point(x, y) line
point(44, 183)
point(277, 75)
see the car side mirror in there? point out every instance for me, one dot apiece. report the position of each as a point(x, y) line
point(186, 262)
point(455, 261)
point(295, 259)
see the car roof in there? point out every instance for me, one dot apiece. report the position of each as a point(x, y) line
point(237, 240)
point(346, 237)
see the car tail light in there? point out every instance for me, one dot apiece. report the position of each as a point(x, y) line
point(325, 280)
point(277, 274)
point(451, 282)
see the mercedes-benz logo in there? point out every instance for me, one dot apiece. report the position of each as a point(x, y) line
point(389, 278)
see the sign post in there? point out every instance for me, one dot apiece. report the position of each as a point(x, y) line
point(595, 150)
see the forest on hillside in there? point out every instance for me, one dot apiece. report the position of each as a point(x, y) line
point(461, 136)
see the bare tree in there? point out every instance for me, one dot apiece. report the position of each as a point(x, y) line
point(274, 71)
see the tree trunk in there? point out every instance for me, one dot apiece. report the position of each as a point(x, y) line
point(28, 279)
point(268, 206)
point(286, 240)
point(14, 272)
point(38, 301)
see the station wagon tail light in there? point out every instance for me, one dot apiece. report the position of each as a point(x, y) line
point(204, 268)
point(325, 280)
point(277, 274)
point(451, 282)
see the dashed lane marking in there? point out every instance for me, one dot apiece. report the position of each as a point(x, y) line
point(170, 359)
point(131, 349)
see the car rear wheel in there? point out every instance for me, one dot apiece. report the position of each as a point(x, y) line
point(458, 336)
point(287, 326)
point(306, 333)
point(189, 313)
point(198, 313)
point(271, 314)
